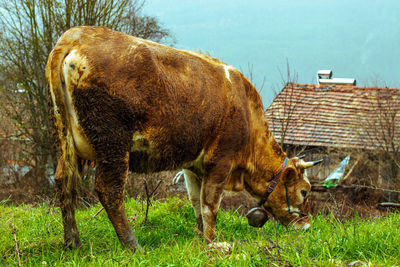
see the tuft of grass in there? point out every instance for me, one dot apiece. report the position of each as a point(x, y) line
point(169, 238)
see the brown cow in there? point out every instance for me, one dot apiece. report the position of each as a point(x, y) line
point(128, 103)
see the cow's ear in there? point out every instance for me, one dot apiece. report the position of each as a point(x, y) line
point(289, 174)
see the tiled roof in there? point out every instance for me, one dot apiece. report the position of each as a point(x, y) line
point(334, 115)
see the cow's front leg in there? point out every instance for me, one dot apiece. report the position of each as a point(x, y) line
point(211, 194)
point(110, 182)
point(193, 186)
point(67, 193)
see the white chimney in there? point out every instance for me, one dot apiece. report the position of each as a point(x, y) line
point(324, 74)
point(325, 77)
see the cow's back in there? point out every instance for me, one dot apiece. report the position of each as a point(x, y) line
point(168, 105)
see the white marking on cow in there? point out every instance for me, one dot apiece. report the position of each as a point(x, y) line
point(69, 61)
point(212, 61)
point(71, 77)
point(193, 189)
point(227, 68)
point(206, 210)
point(53, 98)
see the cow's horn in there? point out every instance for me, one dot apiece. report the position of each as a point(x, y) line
point(309, 164)
point(301, 156)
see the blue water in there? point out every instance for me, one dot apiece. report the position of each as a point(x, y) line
point(354, 38)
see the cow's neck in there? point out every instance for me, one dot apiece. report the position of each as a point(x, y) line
point(276, 156)
point(269, 158)
point(266, 159)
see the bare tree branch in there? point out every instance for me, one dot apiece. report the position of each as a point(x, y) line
point(380, 124)
point(28, 31)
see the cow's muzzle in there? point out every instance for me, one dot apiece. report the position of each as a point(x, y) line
point(258, 216)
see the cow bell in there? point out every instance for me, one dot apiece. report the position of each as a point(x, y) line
point(257, 217)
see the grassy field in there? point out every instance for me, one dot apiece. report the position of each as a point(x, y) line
point(168, 238)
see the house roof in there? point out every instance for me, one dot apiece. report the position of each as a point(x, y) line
point(335, 115)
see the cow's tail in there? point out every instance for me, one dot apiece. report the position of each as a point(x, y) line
point(67, 176)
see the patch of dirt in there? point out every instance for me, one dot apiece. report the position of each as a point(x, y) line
point(342, 203)
point(22, 192)
point(346, 202)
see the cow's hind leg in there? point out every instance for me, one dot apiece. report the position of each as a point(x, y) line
point(193, 186)
point(110, 181)
point(67, 193)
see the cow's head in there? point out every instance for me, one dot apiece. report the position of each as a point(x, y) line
point(286, 197)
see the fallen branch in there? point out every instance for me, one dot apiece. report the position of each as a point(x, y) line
point(148, 196)
point(17, 251)
point(320, 188)
point(97, 213)
point(389, 205)
point(351, 169)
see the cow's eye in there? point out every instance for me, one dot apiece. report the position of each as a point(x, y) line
point(304, 193)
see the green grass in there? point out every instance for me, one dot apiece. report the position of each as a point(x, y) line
point(168, 238)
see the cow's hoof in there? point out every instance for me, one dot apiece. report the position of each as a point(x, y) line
point(133, 245)
point(198, 232)
point(209, 238)
point(138, 248)
point(72, 244)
